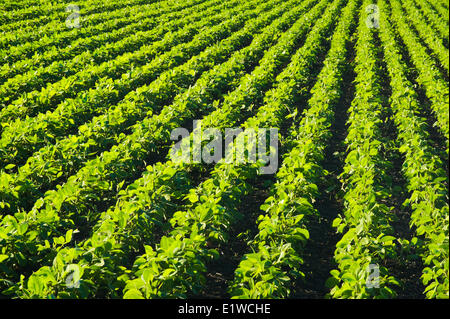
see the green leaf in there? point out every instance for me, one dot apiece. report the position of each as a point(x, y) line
point(69, 235)
point(133, 294)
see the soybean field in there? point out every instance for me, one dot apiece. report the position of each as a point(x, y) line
point(96, 201)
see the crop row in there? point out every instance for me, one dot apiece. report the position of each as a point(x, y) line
point(75, 54)
point(427, 33)
point(149, 131)
point(58, 161)
point(436, 88)
point(276, 257)
point(43, 9)
point(441, 9)
point(434, 19)
point(91, 13)
point(106, 46)
point(22, 137)
point(218, 74)
point(25, 50)
point(21, 11)
point(421, 167)
point(366, 220)
point(177, 266)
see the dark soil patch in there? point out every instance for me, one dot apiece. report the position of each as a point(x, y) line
point(319, 252)
point(406, 266)
point(221, 271)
